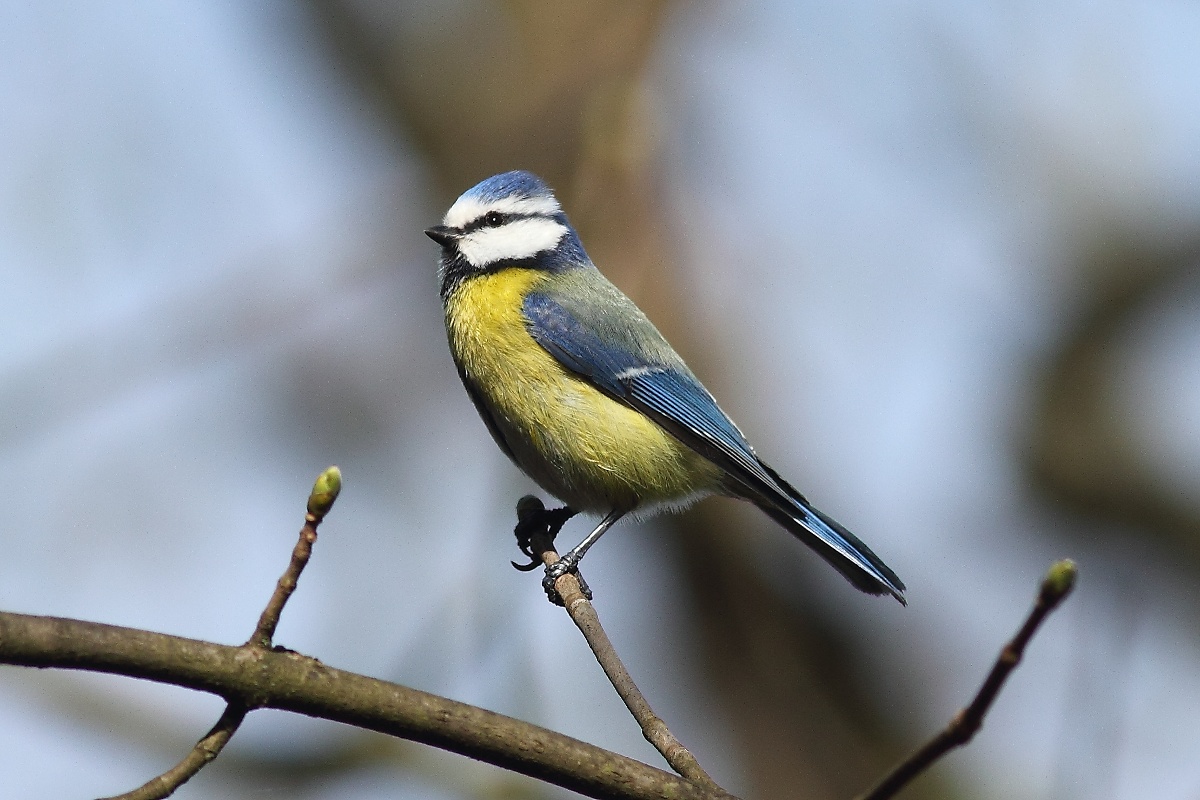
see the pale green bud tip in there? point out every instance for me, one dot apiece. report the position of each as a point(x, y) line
point(325, 491)
point(1059, 581)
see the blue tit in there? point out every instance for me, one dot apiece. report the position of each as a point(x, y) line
point(584, 394)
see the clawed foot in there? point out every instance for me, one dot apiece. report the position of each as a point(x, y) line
point(534, 518)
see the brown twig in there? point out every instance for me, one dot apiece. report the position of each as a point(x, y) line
point(583, 614)
point(1057, 584)
point(289, 681)
point(205, 751)
point(320, 500)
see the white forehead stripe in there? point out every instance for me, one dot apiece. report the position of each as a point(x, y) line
point(467, 209)
point(520, 238)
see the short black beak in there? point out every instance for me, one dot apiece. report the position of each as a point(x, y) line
point(443, 235)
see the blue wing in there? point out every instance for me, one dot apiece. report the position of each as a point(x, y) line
point(643, 377)
point(634, 365)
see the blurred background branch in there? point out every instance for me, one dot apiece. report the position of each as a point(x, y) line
point(1088, 452)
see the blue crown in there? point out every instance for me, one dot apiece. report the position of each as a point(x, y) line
point(517, 183)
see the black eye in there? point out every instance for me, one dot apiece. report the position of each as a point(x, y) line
point(493, 219)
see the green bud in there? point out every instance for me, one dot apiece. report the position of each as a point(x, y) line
point(324, 492)
point(1059, 581)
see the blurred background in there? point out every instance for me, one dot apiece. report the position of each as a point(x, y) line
point(938, 259)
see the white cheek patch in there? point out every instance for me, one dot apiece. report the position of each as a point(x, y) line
point(468, 209)
point(520, 238)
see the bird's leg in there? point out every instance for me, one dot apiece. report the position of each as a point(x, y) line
point(533, 517)
point(569, 561)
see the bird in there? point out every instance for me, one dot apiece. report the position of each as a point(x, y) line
point(583, 393)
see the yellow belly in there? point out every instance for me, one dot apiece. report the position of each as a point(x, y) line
point(590, 451)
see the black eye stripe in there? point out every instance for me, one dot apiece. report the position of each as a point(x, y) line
point(495, 219)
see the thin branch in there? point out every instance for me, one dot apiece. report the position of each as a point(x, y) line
point(205, 751)
point(1057, 584)
point(288, 681)
point(583, 614)
point(320, 500)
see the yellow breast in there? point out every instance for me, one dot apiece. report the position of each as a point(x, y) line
point(590, 451)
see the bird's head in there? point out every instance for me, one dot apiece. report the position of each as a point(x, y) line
point(508, 220)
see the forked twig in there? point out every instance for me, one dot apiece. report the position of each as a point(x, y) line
point(320, 500)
